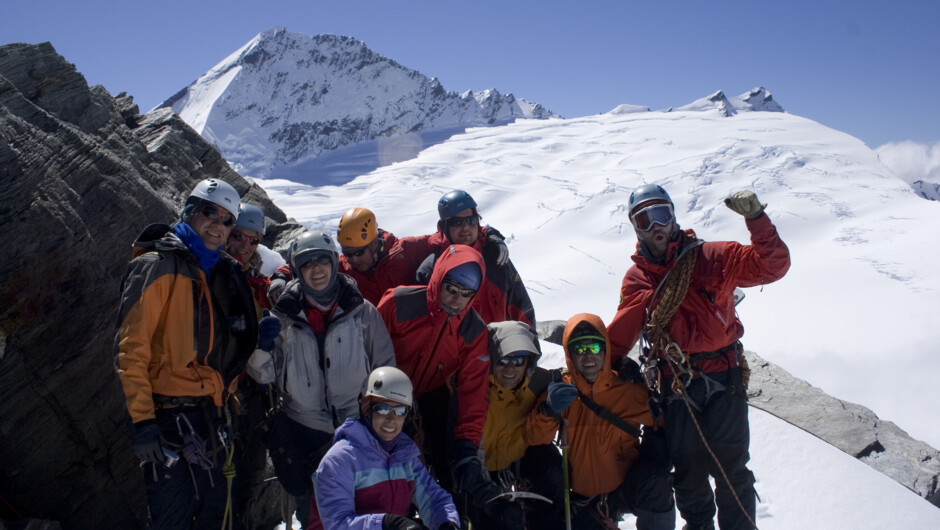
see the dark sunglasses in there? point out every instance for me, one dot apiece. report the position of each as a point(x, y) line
point(317, 260)
point(514, 360)
point(454, 290)
point(384, 409)
point(594, 348)
point(356, 254)
point(214, 214)
point(470, 220)
point(245, 238)
point(658, 214)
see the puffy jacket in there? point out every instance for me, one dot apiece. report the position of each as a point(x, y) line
point(180, 334)
point(321, 389)
point(432, 346)
point(706, 320)
point(503, 439)
point(359, 481)
point(396, 266)
point(502, 295)
point(599, 454)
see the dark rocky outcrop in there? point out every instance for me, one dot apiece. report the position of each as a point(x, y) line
point(81, 174)
point(852, 428)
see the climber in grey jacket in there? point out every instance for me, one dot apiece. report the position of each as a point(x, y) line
point(322, 341)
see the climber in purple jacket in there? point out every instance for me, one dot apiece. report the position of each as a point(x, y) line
point(372, 474)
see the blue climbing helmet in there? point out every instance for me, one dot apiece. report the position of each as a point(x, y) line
point(648, 193)
point(251, 217)
point(454, 202)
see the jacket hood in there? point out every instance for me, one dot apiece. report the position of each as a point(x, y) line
point(291, 303)
point(512, 336)
point(451, 257)
point(606, 375)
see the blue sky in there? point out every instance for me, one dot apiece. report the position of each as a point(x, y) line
point(861, 67)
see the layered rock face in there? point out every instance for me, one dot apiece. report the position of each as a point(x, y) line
point(81, 174)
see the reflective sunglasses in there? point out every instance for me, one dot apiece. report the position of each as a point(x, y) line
point(658, 214)
point(470, 220)
point(454, 290)
point(515, 360)
point(593, 348)
point(245, 238)
point(356, 254)
point(317, 260)
point(213, 214)
point(384, 409)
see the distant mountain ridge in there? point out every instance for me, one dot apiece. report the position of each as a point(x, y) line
point(285, 98)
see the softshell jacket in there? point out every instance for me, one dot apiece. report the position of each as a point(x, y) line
point(358, 482)
point(706, 320)
point(320, 389)
point(396, 266)
point(502, 295)
point(503, 439)
point(180, 333)
point(432, 346)
point(599, 453)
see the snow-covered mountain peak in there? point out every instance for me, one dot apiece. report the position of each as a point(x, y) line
point(756, 99)
point(285, 98)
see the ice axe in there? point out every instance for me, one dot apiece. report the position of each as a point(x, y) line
point(563, 443)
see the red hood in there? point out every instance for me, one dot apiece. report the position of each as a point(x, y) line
point(451, 257)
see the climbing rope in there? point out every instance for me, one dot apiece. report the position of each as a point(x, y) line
point(228, 470)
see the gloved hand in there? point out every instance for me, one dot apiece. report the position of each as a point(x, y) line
point(275, 290)
point(629, 371)
point(423, 274)
point(147, 444)
point(269, 327)
point(448, 526)
point(745, 203)
point(496, 240)
point(509, 514)
point(560, 396)
point(398, 522)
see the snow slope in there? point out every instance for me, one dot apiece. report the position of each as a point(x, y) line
point(854, 315)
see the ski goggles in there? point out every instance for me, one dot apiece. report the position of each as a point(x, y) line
point(514, 360)
point(214, 213)
point(245, 238)
point(657, 214)
point(587, 344)
point(384, 409)
point(470, 220)
point(455, 290)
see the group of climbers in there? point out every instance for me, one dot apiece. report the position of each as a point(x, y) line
point(394, 382)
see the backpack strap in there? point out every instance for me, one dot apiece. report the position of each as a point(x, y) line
point(610, 417)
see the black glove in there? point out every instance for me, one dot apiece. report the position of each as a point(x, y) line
point(470, 476)
point(423, 274)
point(147, 443)
point(398, 522)
point(269, 328)
point(629, 371)
point(560, 396)
point(496, 240)
point(509, 515)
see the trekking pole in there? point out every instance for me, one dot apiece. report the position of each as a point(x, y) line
point(563, 443)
